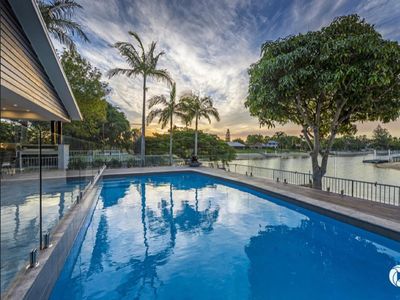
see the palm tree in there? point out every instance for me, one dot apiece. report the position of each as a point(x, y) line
point(140, 63)
point(195, 108)
point(166, 114)
point(57, 16)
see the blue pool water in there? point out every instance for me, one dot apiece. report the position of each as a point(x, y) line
point(187, 236)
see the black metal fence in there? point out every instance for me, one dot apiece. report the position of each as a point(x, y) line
point(373, 191)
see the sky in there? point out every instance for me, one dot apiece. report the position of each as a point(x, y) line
point(209, 46)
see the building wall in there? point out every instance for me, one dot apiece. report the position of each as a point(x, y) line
point(21, 70)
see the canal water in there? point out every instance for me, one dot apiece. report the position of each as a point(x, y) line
point(351, 167)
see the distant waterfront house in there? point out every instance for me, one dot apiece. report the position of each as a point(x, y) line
point(272, 144)
point(257, 146)
point(236, 145)
point(33, 84)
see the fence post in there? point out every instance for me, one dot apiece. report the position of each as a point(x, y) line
point(352, 188)
point(40, 191)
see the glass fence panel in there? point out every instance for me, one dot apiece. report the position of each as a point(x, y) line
point(20, 196)
point(67, 183)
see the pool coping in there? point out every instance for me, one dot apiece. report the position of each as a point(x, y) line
point(38, 282)
point(369, 222)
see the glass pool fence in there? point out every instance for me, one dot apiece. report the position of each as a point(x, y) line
point(41, 180)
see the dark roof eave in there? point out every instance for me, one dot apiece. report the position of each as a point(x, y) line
point(29, 17)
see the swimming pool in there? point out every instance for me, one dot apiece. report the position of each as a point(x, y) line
point(190, 236)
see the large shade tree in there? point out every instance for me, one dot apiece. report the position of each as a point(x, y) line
point(196, 108)
point(102, 122)
point(90, 93)
point(141, 62)
point(325, 81)
point(165, 109)
point(57, 15)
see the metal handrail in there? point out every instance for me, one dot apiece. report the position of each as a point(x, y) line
point(367, 190)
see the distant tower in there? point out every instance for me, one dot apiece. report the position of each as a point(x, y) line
point(228, 136)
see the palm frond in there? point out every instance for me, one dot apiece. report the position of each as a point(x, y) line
point(137, 38)
point(61, 7)
point(213, 112)
point(128, 51)
point(121, 71)
point(57, 16)
point(157, 57)
point(166, 115)
point(157, 100)
point(161, 75)
point(152, 115)
point(62, 37)
point(71, 27)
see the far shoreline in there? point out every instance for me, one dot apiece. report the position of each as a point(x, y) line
point(389, 165)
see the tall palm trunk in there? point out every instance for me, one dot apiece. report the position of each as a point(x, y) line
point(143, 140)
point(195, 135)
point(170, 141)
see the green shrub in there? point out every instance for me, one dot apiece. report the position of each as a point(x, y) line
point(114, 163)
point(98, 163)
point(77, 164)
point(131, 162)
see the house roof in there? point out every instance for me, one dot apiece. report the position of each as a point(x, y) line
point(29, 16)
point(235, 144)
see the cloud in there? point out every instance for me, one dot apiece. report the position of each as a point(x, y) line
point(209, 45)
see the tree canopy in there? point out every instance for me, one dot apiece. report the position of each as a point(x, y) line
point(210, 146)
point(325, 81)
point(102, 122)
point(253, 139)
point(89, 92)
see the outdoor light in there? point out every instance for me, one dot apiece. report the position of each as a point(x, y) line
point(15, 105)
point(33, 258)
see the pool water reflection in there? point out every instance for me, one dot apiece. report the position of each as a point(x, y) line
point(188, 236)
point(20, 218)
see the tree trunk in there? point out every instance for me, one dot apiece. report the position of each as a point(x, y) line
point(170, 142)
point(143, 140)
point(195, 136)
point(318, 170)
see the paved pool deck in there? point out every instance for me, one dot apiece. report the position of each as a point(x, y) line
point(373, 216)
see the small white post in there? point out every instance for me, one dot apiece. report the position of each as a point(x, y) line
point(63, 156)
